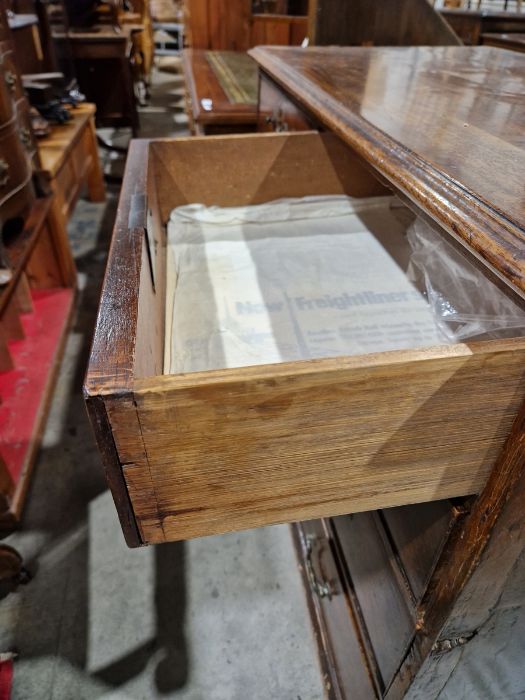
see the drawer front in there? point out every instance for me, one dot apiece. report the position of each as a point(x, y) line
point(384, 601)
point(66, 185)
point(345, 664)
point(218, 451)
point(277, 112)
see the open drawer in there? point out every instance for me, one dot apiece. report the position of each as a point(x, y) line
point(213, 451)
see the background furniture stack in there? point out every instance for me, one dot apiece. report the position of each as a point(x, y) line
point(365, 23)
point(39, 185)
point(222, 82)
point(36, 302)
point(225, 25)
point(107, 58)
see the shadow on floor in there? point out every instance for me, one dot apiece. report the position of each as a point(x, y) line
point(171, 672)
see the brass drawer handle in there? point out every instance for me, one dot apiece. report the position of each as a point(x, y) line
point(4, 172)
point(276, 120)
point(25, 136)
point(321, 588)
point(10, 79)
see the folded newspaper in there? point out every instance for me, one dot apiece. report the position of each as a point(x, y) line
point(288, 280)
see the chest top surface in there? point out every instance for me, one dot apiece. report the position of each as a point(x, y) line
point(445, 125)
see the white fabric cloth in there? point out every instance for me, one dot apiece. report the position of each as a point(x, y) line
point(288, 280)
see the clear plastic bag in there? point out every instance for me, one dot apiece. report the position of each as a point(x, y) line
point(465, 303)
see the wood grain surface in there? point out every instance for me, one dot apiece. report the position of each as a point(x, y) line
point(344, 664)
point(515, 41)
point(387, 611)
point(234, 449)
point(55, 148)
point(113, 347)
point(365, 23)
point(476, 592)
point(434, 122)
point(202, 84)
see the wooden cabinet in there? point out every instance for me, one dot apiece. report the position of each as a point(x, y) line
point(37, 290)
point(348, 444)
point(426, 598)
point(70, 162)
point(278, 112)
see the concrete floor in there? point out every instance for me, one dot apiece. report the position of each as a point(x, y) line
point(220, 618)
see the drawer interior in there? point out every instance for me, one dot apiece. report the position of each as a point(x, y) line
point(262, 169)
point(230, 172)
point(223, 449)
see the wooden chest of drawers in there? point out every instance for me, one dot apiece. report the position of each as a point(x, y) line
point(36, 298)
point(400, 598)
point(201, 453)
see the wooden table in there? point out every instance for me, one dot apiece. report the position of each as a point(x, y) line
point(103, 66)
point(513, 42)
point(210, 109)
point(69, 157)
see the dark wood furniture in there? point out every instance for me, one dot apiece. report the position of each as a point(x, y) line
point(70, 161)
point(470, 25)
point(407, 599)
point(412, 601)
point(513, 42)
point(36, 299)
point(231, 25)
point(375, 23)
point(102, 59)
point(210, 110)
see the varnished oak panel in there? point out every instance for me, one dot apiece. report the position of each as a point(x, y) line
point(444, 125)
point(234, 449)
